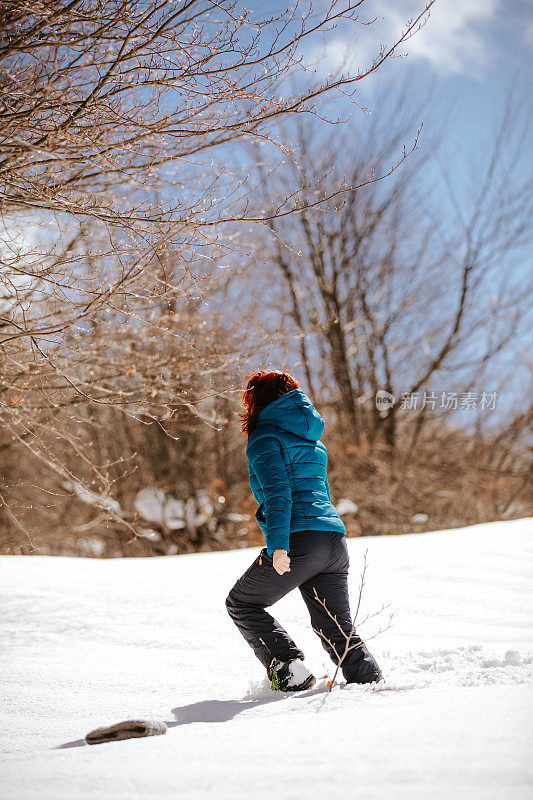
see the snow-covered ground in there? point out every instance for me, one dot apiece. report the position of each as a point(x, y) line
point(87, 643)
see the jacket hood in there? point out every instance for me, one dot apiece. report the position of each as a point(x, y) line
point(294, 412)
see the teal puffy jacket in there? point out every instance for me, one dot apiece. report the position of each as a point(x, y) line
point(287, 468)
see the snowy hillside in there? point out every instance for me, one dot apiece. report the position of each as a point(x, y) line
point(87, 643)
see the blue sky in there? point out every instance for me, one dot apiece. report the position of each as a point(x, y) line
point(475, 51)
point(475, 54)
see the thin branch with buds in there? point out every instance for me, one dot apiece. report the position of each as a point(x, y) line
point(348, 636)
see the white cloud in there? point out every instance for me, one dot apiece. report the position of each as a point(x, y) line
point(528, 33)
point(456, 38)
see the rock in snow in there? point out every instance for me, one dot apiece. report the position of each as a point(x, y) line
point(90, 643)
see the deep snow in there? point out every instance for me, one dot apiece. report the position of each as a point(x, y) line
point(87, 643)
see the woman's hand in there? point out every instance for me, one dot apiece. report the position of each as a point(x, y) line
point(281, 561)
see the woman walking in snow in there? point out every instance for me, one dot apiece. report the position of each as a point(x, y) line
point(305, 536)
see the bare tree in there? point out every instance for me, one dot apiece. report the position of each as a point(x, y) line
point(349, 636)
point(120, 194)
point(419, 288)
point(383, 289)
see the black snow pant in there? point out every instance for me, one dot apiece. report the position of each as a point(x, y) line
point(319, 560)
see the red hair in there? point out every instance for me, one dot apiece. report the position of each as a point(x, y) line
point(262, 388)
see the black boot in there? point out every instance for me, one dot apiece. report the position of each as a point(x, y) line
point(289, 676)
